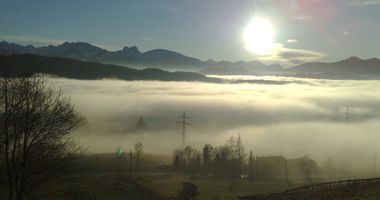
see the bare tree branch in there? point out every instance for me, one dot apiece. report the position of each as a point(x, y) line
point(36, 121)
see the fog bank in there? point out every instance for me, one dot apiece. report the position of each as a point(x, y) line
point(303, 116)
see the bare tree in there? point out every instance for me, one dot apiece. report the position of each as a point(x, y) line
point(307, 165)
point(207, 158)
point(138, 149)
point(35, 123)
point(250, 167)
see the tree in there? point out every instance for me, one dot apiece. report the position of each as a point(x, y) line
point(224, 161)
point(35, 124)
point(187, 160)
point(250, 167)
point(307, 165)
point(239, 149)
point(328, 167)
point(140, 126)
point(207, 158)
point(138, 149)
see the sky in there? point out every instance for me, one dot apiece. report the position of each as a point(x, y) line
point(304, 30)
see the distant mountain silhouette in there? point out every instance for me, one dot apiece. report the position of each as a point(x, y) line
point(132, 57)
point(351, 68)
point(17, 65)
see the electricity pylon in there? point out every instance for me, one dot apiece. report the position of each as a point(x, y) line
point(183, 120)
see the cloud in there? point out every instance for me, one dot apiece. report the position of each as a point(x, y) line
point(362, 3)
point(291, 57)
point(292, 41)
point(302, 17)
point(121, 101)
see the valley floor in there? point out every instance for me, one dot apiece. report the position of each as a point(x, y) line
point(105, 177)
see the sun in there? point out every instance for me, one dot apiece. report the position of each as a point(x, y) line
point(258, 36)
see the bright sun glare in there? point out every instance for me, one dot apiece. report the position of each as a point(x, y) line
point(258, 36)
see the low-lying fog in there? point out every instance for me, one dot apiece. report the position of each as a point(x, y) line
point(292, 118)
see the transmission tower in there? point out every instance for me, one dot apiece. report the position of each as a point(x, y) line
point(184, 121)
point(348, 112)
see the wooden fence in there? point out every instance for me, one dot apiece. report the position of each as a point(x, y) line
point(331, 186)
point(320, 188)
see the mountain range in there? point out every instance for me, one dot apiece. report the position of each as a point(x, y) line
point(132, 57)
point(128, 56)
point(351, 68)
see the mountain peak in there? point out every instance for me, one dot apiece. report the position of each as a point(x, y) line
point(77, 49)
point(78, 44)
point(350, 60)
point(5, 43)
point(132, 49)
point(354, 58)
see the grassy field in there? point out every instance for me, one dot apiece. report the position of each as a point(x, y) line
point(210, 188)
point(102, 174)
point(106, 177)
point(115, 186)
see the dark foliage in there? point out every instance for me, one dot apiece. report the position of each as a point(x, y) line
point(19, 65)
point(226, 161)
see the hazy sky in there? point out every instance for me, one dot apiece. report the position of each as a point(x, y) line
point(326, 30)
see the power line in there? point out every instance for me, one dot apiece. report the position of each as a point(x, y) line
point(375, 159)
point(183, 120)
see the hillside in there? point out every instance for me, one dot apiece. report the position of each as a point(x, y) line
point(351, 68)
point(22, 64)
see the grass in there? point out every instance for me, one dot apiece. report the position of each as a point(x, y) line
point(208, 188)
point(105, 176)
point(101, 174)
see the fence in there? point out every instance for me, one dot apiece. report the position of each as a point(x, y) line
point(318, 189)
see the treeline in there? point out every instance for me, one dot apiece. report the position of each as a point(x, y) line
point(225, 161)
point(231, 161)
